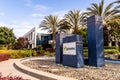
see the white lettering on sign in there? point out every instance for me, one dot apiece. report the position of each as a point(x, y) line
point(69, 48)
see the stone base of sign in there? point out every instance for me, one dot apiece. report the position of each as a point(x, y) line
point(73, 51)
point(59, 47)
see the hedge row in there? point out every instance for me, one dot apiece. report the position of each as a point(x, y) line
point(4, 56)
point(110, 47)
point(107, 50)
point(19, 53)
point(106, 47)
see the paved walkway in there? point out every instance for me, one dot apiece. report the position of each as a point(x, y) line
point(6, 68)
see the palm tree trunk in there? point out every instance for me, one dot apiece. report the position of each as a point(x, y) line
point(53, 43)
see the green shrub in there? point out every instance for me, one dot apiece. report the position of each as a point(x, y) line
point(111, 51)
point(19, 53)
point(107, 50)
point(85, 50)
point(39, 47)
point(49, 54)
point(85, 54)
point(34, 53)
point(85, 47)
point(42, 51)
point(110, 47)
point(2, 47)
point(28, 53)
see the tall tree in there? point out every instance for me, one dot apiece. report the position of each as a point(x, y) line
point(75, 19)
point(83, 31)
point(64, 26)
point(53, 22)
point(114, 31)
point(7, 36)
point(106, 12)
point(21, 43)
point(118, 3)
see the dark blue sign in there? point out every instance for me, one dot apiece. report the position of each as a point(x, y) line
point(59, 47)
point(73, 51)
point(95, 41)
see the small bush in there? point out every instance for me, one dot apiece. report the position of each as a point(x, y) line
point(111, 51)
point(4, 56)
point(42, 51)
point(85, 47)
point(39, 47)
point(107, 50)
point(85, 54)
point(110, 47)
point(49, 54)
point(19, 53)
point(49, 49)
point(34, 53)
point(28, 53)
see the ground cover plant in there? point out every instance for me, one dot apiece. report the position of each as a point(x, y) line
point(19, 53)
point(108, 50)
point(4, 57)
point(10, 77)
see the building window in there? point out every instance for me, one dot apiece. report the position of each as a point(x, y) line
point(44, 37)
point(31, 35)
point(38, 36)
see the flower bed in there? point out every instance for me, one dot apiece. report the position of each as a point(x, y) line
point(9, 77)
point(110, 71)
point(19, 53)
point(4, 56)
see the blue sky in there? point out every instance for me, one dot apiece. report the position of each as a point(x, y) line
point(22, 15)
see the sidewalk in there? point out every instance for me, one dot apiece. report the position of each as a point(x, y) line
point(6, 68)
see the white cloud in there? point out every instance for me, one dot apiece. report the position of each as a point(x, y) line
point(20, 32)
point(37, 7)
point(41, 8)
point(37, 15)
point(19, 27)
point(2, 24)
point(60, 14)
point(28, 3)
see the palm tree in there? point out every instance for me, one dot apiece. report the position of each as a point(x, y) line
point(53, 22)
point(64, 26)
point(117, 2)
point(75, 19)
point(107, 13)
point(114, 31)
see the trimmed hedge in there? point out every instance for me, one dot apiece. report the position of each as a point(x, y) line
point(111, 51)
point(4, 56)
point(110, 47)
point(19, 53)
point(107, 50)
point(106, 47)
point(49, 53)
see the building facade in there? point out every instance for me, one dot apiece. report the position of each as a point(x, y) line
point(38, 36)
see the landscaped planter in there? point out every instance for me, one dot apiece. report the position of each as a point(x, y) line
point(4, 57)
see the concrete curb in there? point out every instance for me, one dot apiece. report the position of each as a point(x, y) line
point(38, 74)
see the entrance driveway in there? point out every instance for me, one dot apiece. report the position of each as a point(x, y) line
point(6, 68)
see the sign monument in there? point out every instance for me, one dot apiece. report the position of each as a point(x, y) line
point(95, 41)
